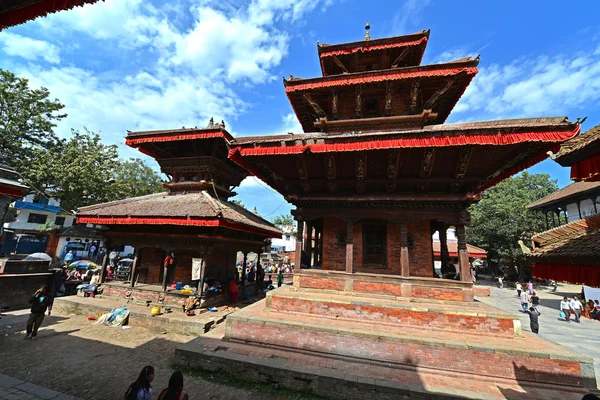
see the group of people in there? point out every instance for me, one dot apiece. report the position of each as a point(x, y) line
point(529, 304)
point(141, 389)
point(591, 309)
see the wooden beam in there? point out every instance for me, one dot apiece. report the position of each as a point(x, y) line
point(437, 95)
point(337, 62)
point(313, 104)
point(401, 57)
point(463, 254)
point(299, 238)
point(136, 261)
point(303, 173)
point(401, 180)
point(389, 214)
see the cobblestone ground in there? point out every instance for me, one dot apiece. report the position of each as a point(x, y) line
point(75, 357)
point(582, 337)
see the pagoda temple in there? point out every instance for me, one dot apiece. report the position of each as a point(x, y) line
point(375, 174)
point(191, 223)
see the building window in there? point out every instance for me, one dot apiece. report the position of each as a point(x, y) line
point(374, 245)
point(371, 108)
point(60, 221)
point(37, 218)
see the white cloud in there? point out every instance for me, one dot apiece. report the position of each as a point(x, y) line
point(533, 87)
point(409, 16)
point(28, 48)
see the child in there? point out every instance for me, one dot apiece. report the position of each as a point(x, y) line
point(280, 278)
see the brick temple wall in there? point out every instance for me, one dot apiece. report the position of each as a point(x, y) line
point(420, 257)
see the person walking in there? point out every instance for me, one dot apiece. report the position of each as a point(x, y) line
point(530, 288)
point(576, 307)
point(501, 281)
point(141, 388)
point(565, 307)
point(280, 277)
point(533, 319)
point(40, 302)
point(524, 301)
point(68, 257)
point(175, 389)
point(535, 300)
point(519, 289)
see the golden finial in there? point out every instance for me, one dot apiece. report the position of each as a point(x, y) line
point(367, 27)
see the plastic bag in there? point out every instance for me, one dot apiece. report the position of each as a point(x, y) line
point(563, 315)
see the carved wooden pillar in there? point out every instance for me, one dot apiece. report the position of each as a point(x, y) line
point(298, 256)
point(463, 254)
point(404, 258)
point(308, 242)
point(317, 246)
point(165, 274)
point(349, 245)
point(244, 262)
point(444, 246)
point(136, 262)
point(104, 262)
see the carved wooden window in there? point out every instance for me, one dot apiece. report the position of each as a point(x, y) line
point(372, 108)
point(374, 245)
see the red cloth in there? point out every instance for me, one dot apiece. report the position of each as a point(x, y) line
point(587, 170)
point(17, 193)
point(378, 78)
point(169, 261)
point(572, 273)
point(135, 142)
point(373, 47)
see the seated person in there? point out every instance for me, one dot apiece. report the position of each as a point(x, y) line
point(596, 312)
point(587, 310)
point(251, 275)
point(95, 278)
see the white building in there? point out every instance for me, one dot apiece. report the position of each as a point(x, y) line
point(287, 242)
point(33, 214)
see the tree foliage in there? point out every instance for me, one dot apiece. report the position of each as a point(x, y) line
point(284, 220)
point(27, 120)
point(134, 178)
point(501, 219)
point(239, 203)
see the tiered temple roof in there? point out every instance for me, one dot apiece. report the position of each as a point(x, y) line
point(560, 197)
point(15, 12)
point(582, 154)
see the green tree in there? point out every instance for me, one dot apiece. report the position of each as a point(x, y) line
point(284, 220)
point(239, 203)
point(134, 178)
point(77, 171)
point(27, 120)
point(500, 219)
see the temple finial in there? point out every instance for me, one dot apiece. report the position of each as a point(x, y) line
point(367, 35)
point(211, 122)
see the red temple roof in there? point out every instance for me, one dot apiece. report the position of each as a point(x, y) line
point(190, 209)
point(409, 49)
point(15, 12)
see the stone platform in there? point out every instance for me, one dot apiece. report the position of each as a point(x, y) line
point(459, 338)
point(339, 377)
point(174, 322)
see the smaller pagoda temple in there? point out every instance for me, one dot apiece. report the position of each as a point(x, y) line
point(568, 250)
point(192, 222)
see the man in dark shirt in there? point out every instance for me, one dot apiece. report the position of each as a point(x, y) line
point(533, 319)
point(40, 302)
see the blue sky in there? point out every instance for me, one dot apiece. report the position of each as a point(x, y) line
point(131, 64)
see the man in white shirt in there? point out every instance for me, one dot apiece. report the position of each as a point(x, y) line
point(576, 307)
point(565, 307)
point(524, 300)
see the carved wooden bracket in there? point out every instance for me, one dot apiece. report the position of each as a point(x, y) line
point(414, 96)
point(437, 95)
point(358, 107)
point(401, 57)
point(388, 98)
point(313, 104)
point(337, 62)
point(334, 104)
point(427, 164)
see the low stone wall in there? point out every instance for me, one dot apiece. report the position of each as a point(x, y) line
point(17, 289)
point(433, 289)
point(23, 266)
point(480, 291)
point(410, 315)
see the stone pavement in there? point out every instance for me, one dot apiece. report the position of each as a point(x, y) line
point(582, 337)
point(16, 389)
